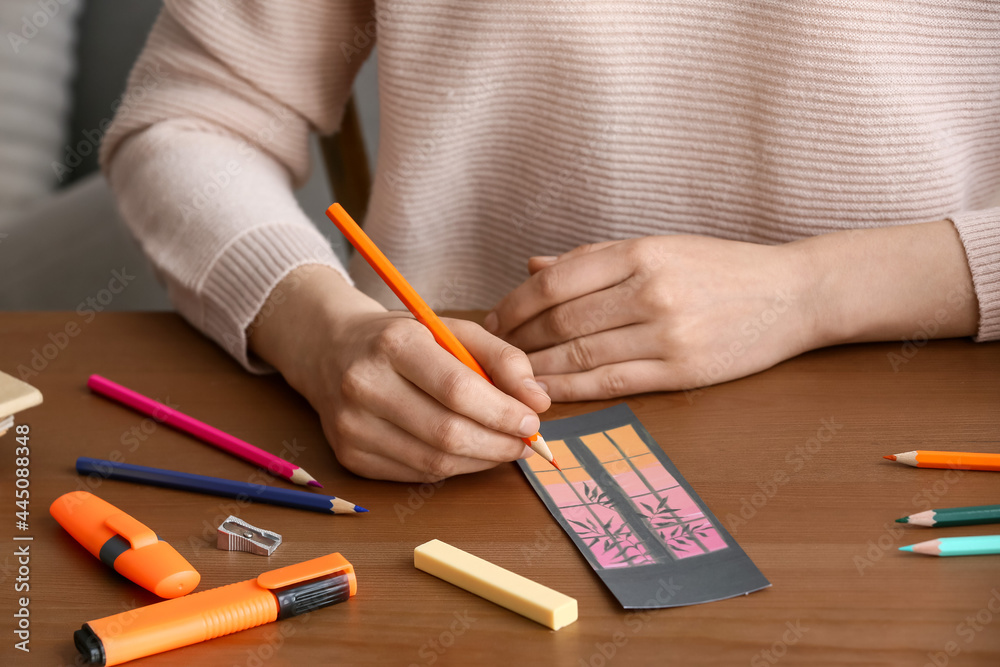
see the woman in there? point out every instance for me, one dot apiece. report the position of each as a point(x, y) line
point(697, 190)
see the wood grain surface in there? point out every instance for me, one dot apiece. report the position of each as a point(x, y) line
point(789, 460)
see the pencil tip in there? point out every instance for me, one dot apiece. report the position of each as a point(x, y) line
point(907, 548)
point(891, 457)
point(359, 508)
point(905, 519)
point(555, 464)
point(315, 483)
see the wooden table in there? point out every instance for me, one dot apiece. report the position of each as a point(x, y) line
point(841, 594)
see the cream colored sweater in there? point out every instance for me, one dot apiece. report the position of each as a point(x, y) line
point(512, 129)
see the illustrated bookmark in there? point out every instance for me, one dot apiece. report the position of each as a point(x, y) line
point(636, 520)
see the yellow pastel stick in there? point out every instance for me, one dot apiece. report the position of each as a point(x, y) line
point(507, 589)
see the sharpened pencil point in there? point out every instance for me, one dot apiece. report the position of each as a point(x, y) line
point(555, 464)
point(908, 548)
point(359, 508)
point(905, 519)
point(301, 477)
point(891, 457)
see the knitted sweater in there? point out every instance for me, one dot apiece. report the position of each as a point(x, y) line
point(512, 129)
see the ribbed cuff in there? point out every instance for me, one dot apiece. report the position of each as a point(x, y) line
point(980, 234)
point(246, 272)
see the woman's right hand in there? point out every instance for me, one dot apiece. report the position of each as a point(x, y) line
point(393, 403)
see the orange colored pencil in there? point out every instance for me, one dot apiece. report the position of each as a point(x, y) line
point(416, 305)
point(953, 460)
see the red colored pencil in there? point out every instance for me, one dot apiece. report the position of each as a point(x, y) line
point(209, 434)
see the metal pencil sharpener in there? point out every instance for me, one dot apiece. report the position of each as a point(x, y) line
point(235, 534)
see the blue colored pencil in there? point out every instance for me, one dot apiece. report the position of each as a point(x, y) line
point(216, 486)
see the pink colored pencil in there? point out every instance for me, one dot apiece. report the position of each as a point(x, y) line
point(213, 436)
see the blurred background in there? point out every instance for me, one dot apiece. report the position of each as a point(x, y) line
point(63, 68)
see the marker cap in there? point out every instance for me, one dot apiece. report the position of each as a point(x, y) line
point(125, 544)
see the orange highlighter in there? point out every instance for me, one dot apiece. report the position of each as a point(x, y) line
point(274, 595)
point(124, 544)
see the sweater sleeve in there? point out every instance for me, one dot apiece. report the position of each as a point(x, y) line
point(980, 234)
point(212, 135)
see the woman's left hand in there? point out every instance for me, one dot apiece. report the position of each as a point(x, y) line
point(657, 313)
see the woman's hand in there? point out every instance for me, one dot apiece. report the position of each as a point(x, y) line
point(677, 312)
point(655, 313)
point(393, 403)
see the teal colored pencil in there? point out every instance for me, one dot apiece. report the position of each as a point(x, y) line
point(978, 545)
point(955, 516)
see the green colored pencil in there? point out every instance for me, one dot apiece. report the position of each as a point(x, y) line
point(978, 545)
point(955, 516)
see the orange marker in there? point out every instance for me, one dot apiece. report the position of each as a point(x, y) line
point(416, 305)
point(274, 595)
point(126, 545)
point(953, 460)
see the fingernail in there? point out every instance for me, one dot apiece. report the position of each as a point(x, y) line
point(529, 426)
point(527, 453)
point(545, 259)
point(491, 323)
point(534, 386)
point(544, 387)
